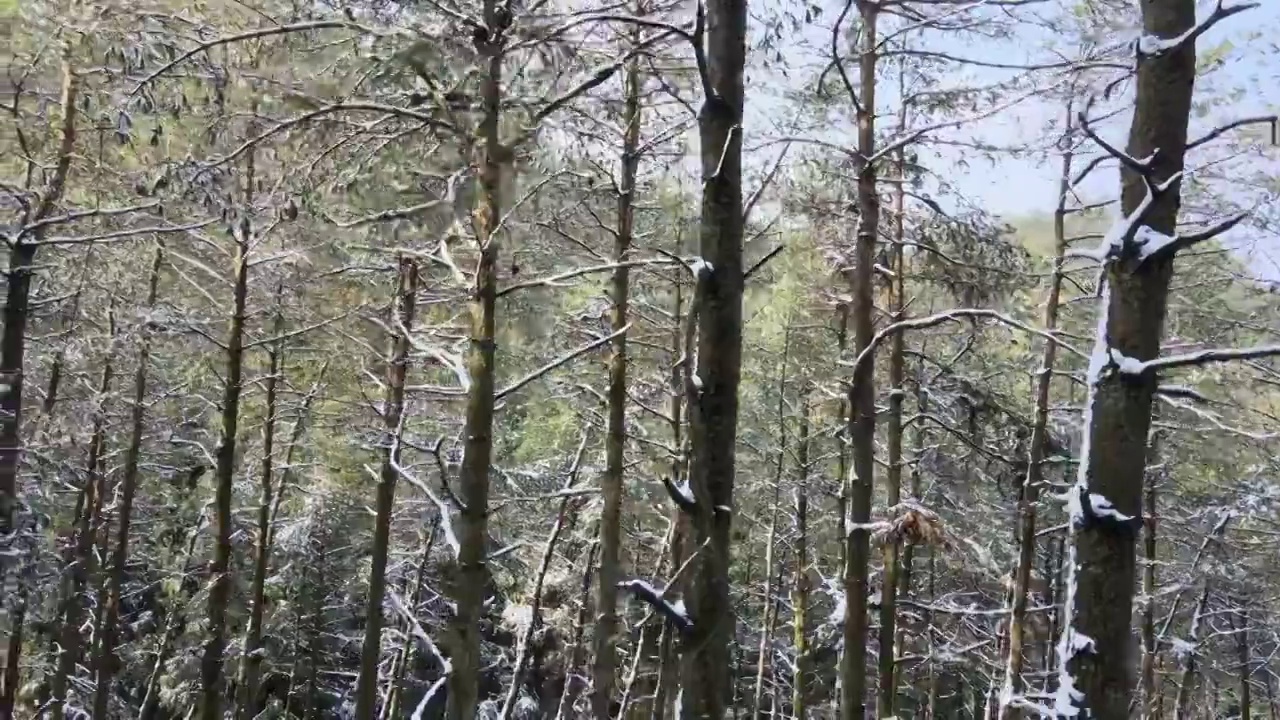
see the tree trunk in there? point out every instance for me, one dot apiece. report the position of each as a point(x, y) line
point(395, 691)
point(250, 658)
point(76, 575)
point(478, 430)
point(713, 409)
point(568, 506)
point(392, 423)
point(211, 680)
point(616, 437)
point(766, 637)
point(172, 630)
point(891, 552)
point(800, 588)
point(105, 664)
point(1189, 663)
point(1029, 492)
point(1150, 648)
point(862, 395)
point(569, 695)
point(1133, 301)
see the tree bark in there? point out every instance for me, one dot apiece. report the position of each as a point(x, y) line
point(616, 433)
point(211, 676)
point(862, 395)
point(713, 409)
point(250, 659)
point(800, 588)
point(392, 422)
point(1134, 299)
point(891, 551)
point(463, 685)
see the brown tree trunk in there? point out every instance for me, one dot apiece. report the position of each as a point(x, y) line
point(616, 433)
point(395, 691)
point(1029, 492)
point(770, 543)
point(1183, 703)
point(250, 658)
point(891, 552)
point(392, 423)
point(1150, 649)
point(105, 664)
point(1098, 627)
point(800, 588)
point(211, 664)
point(569, 695)
point(478, 430)
point(76, 575)
point(713, 408)
point(862, 395)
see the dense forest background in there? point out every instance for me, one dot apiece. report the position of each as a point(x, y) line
point(637, 359)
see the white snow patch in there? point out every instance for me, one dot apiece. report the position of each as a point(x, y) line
point(1126, 364)
point(1102, 507)
point(1151, 241)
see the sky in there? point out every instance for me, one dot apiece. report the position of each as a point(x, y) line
point(1247, 83)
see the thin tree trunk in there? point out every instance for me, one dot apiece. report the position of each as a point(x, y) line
point(105, 665)
point(525, 642)
point(1150, 649)
point(766, 637)
point(211, 680)
point(250, 658)
point(172, 630)
point(862, 395)
point(395, 689)
point(800, 588)
point(392, 423)
point(1029, 492)
point(616, 435)
point(1246, 667)
point(569, 695)
point(76, 575)
point(842, 448)
point(464, 681)
point(1189, 663)
point(1102, 566)
point(891, 551)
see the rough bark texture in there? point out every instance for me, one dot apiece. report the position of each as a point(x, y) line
point(616, 433)
point(251, 660)
point(1121, 405)
point(211, 680)
point(800, 590)
point(862, 394)
point(891, 552)
point(713, 414)
point(389, 473)
point(473, 517)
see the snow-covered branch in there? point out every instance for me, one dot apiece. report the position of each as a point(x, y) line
point(1150, 46)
